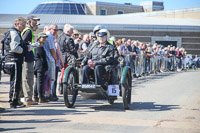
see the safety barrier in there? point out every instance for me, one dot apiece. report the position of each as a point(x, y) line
point(144, 65)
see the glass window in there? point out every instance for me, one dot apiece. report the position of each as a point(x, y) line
point(103, 12)
point(83, 6)
point(66, 6)
point(42, 5)
point(53, 5)
point(58, 12)
point(66, 11)
point(35, 10)
point(73, 9)
point(60, 4)
point(120, 12)
point(52, 8)
point(80, 9)
point(42, 11)
point(60, 8)
point(51, 11)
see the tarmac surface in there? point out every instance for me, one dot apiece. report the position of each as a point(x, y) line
point(166, 102)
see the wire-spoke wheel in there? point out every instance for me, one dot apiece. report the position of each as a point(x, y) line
point(126, 91)
point(69, 91)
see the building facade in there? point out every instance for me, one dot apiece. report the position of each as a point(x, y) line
point(146, 27)
point(89, 8)
point(105, 8)
point(150, 6)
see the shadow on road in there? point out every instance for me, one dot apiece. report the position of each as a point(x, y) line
point(137, 82)
point(33, 121)
point(146, 106)
point(43, 112)
point(12, 129)
point(151, 106)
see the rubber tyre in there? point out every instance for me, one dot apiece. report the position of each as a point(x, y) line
point(111, 101)
point(69, 92)
point(126, 91)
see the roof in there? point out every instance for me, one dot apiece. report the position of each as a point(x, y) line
point(108, 4)
point(167, 12)
point(64, 7)
point(112, 22)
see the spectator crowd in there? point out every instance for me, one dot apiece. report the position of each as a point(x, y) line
point(44, 56)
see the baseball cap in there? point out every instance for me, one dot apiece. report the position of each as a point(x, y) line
point(42, 34)
point(33, 18)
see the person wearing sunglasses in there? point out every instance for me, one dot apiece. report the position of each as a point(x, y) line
point(50, 49)
point(28, 69)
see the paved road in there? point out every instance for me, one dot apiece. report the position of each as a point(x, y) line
point(167, 103)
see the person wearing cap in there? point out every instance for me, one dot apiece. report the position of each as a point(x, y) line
point(40, 68)
point(32, 25)
point(97, 59)
point(28, 69)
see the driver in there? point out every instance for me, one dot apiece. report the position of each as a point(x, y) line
point(99, 56)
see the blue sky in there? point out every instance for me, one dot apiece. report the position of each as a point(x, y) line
point(26, 6)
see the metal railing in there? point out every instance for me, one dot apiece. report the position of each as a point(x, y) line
point(144, 65)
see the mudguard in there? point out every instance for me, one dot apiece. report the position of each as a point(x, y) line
point(62, 72)
point(65, 74)
point(124, 73)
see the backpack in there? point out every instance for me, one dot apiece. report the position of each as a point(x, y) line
point(5, 41)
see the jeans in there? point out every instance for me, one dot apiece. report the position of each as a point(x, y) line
point(38, 88)
point(54, 83)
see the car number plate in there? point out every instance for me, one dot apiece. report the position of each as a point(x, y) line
point(113, 90)
point(88, 86)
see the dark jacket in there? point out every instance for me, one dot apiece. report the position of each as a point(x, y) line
point(103, 55)
point(14, 46)
point(40, 60)
point(67, 47)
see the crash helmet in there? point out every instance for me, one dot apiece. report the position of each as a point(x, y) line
point(97, 28)
point(107, 33)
